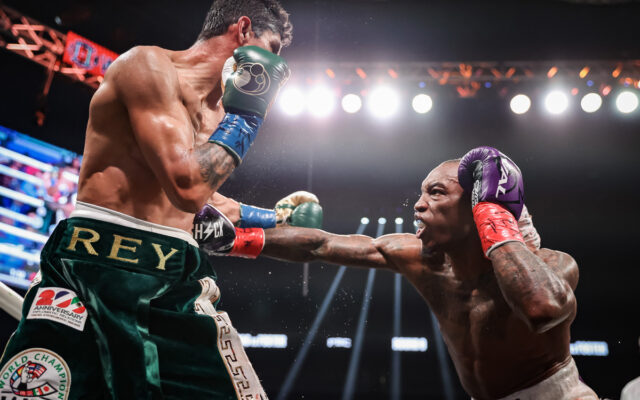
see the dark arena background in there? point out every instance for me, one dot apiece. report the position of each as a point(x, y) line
point(580, 157)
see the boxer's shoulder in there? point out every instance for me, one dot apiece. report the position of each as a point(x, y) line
point(145, 71)
point(141, 57)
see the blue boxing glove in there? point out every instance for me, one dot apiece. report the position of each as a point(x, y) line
point(256, 217)
point(251, 79)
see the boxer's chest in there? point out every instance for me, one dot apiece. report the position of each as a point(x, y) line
point(204, 118)
point(471, 314)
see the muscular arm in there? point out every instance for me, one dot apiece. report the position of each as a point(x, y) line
point(147, 84)
point(304, 244)
point(227, 206)
point(540, 293)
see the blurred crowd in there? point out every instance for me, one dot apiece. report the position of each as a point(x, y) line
point(55, 188)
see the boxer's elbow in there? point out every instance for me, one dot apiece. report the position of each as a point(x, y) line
point(187, 196)
point(548, 312)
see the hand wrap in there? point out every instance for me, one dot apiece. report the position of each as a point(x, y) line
point(496, 226)
point(249, 243)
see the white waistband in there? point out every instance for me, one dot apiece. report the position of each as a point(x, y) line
point(87, 210)
point(565, 384)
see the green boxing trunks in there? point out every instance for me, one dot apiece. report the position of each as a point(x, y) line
point(124, 309)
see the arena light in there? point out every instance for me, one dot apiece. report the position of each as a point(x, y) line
point(399, 221)
point(320, 101)
point(383, 102)
point(589, 348)
point(382, 221)
point(25, 160)
point(264, 340)
point(351, 103)
point(14, 173)
point(292, 101)
point(556, 102)
point(591, 102)
point(520, 104)
point(18, 252)
point(339, 342)
point(21, 197)
point(422, 103)
point(627, 102)
point(23, 233)
point(364, 220)
point(409, 344)
point(35, 222)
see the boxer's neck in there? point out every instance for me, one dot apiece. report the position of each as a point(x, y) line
point(467, 260)
point(201, 66)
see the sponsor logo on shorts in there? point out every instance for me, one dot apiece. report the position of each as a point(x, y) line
point(35, 374)
point(60, 305)
point(251, 78)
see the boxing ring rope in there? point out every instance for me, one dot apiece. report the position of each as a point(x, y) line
point(10, 301)
point(292, 374)
point(354, 362)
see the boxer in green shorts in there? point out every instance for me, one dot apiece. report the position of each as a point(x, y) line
point(123, 308)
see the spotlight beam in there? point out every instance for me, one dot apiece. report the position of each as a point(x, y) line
point(354, 362)
point(445, 374)
point(396, 373)
point(293, 372)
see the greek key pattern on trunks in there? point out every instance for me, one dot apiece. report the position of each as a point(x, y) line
point(244, 378)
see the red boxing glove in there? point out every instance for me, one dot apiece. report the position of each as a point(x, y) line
point(249, 243)
point(496, 226)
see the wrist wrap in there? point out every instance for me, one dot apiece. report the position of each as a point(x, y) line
point(249, 242)
point(496, 226)
point(235, 133)
point(256, 217)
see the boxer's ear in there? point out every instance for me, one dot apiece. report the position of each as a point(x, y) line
point(245, 30)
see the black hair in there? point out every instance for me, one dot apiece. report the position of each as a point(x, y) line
point(264, 15)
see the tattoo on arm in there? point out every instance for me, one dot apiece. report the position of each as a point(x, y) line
point(304, 244)
point(216, 164)
point(530, 287)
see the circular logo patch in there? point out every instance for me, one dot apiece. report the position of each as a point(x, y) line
point(37, 374)
point(252, 79)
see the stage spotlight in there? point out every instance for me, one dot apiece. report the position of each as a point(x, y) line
point(351, 103)
point(292, 101)
point(591, 102)
point(364, 221)
point(556, 102)
point(320, 102)
point(627, 102)
point(382, 221)
point(383, 102)
point(422, 103)
point(520, 104)
point(399, 221)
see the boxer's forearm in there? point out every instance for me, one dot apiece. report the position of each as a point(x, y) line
point(530, 287)
point(215, 165)
point(305, 244)
point(227, 206)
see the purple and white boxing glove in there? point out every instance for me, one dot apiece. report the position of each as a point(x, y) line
point(497, 195)
point(217, 236)
point(491, 176)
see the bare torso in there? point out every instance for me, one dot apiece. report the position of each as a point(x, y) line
point(114, 172)
point(494, 351)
